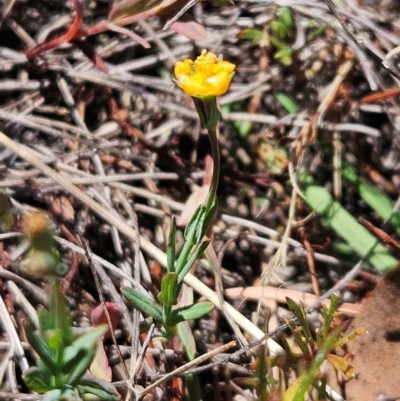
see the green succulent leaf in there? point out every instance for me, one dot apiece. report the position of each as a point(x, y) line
point(168, 294)
point(191, 312)
point(100, 388)
point(39, 344)
point(53, 395)
point(37, 380)
point(78, 356)
point(142, 302)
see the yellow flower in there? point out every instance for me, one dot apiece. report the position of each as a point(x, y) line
point(206, 76)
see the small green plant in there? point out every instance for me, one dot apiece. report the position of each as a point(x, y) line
point(61, 371)
point(62, 364)
point(280, 34)
point(305, 353)
point(203, 80)
point(314, 350)
point(163, 313)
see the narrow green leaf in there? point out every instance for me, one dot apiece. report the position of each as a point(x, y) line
point(142, 302)
point(193, 257)
point(344, 340)
point(37, 380)
point(308, 379)
point(335, 216)
point(98, 387)
point(192, 227)
point(168, 294)
point(285, 52)
point(78, 356)
point(205, 223)
point(199, 223)
point(298, 338)
point(191, 312)
point(287, 102)
point(330, 314)
point(277, 27)
point(186, 335)
point(377, 200)
point(60, 315)
point(171, 246)
point(39, 344)
point(255, 35)
point(292, 390)
point(299, 312)
point(286, 17)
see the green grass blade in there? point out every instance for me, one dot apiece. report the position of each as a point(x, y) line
point(335, 216)
point(375, 199)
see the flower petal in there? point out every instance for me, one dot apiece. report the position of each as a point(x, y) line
point(207, 76)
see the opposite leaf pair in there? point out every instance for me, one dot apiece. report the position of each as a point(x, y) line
point(163, 314)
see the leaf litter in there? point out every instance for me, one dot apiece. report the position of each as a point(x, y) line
point(104, 114)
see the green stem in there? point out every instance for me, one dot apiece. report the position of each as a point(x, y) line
point(212, 193)
point(167, 310)
point(209, 115)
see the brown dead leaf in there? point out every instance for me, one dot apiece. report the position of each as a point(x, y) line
point(377, 354)
point(99, 366)
point(63, 209)
point(99, 317)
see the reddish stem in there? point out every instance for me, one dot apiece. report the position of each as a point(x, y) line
point(59, 40)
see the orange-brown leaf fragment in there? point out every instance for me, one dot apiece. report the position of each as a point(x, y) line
point(99, 317)
point(377, 354)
